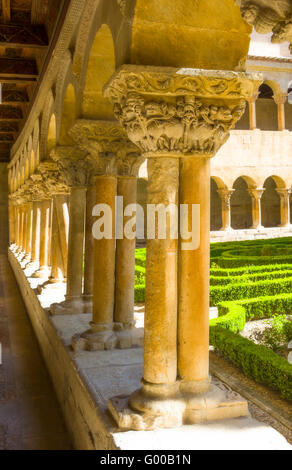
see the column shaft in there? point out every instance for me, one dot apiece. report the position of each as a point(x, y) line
point(104, 257)
point(160, 342)
point(28, 229)
point(252, 114)
point(89, 244)
point(75, 243)
point(58, 269)
point(35, 241)
point(193, 318)
point(44, 233)
point(125, 259)
point(12, 223)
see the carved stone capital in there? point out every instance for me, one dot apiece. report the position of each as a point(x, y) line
point(256, 194)
point(187, 111)
point(225, 195)
point(269, 15)
point(73, 166)
point(107, 145)
point(52, 178)
point(283, 193)
point(280, 98)
point(38, 188)
point(129, 165)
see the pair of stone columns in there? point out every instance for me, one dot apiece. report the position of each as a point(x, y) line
point(179, 122)
point(109, 264)
point(225, 195)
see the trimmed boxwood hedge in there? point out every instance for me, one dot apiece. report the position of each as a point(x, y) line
point(249, 290)
point(256, 361)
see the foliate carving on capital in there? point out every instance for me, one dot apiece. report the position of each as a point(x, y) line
point(283, 193)
point(184, 126)
point(225, 195)
point(269, 15)
point(52, 178)
point(72, 165)
point(173, 112)
point(38, 188)
point(280, 98)
point(129, 165)
point(256, 194)
point(107, 145)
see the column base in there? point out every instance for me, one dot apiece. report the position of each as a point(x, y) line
point(71, 306)
point(32, 265)
point(42, 273)
point(105, 337)
point(51, 285)
point(24, 262)
point(257, 227)
point(226, 229)
point(218, 403)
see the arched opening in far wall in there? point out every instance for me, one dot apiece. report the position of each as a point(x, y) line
point(68, 115)
point(266, 109)
point(241, 205)
point(270, 202)
point(216, 207)
point(100, 68)
point(52, 135)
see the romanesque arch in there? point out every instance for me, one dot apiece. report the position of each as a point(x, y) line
point(216, 203)
point(99, 69)
point(241, 203)
point(271, 203)
point(266, 108)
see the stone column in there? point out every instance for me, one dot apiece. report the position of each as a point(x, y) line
point(194, 265)
point(58, 190)
point(284, 206)
point(19, 228)
point(28, 232)
point(75, 173)
point(280, 100)
point(128, 168)
point(179, 124)
point(103, 141)
point(225, 195)
point(35, 237)
point(256, 195)
point(89, 248)
point(45, 227)
point(23, 239)
point(12, 222)
point(252, 112)
point(160, 343)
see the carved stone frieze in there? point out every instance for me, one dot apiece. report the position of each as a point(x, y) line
point(269, 15)
point(176, 113)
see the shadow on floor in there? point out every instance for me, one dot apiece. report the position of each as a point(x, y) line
point(30, 417)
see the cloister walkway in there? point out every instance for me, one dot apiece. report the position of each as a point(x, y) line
point(30, 417)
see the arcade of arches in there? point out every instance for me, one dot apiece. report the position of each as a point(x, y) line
point(129, 93)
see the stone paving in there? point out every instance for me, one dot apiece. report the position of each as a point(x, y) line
point(30, 417)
